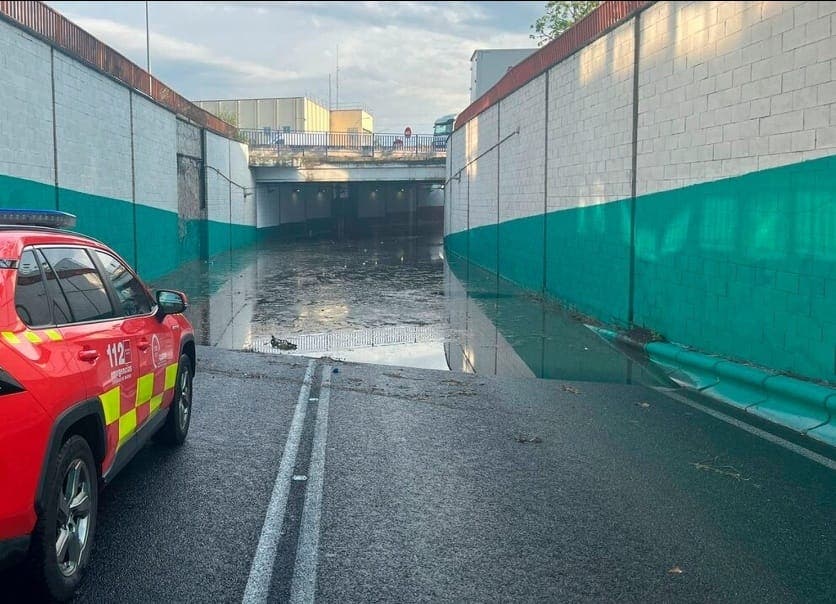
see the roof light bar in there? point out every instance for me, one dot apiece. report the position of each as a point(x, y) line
point(44, 218)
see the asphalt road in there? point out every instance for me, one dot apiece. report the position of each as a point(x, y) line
point(444, 487)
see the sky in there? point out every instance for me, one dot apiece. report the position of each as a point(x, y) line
point(406, 62)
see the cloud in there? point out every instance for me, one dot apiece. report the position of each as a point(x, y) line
point(408, 62)
point(132, 39)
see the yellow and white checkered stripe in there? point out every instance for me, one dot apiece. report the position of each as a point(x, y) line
point(127, 422)
point(33, 336)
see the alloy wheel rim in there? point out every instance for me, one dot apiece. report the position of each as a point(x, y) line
point(185, 399)
point(74, 506)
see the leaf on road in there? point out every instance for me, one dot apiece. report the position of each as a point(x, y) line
point(713, 466)
point(567, 388)
point(527, 439)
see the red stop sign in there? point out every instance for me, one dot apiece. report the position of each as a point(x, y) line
point(407, 132)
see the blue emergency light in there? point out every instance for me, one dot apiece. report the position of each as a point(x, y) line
point(43, 218)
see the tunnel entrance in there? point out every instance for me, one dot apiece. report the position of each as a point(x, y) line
point(352, 210)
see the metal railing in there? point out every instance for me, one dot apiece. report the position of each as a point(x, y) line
point(349, 339)
point(61, 33)
point(341, 140)
point(347, 145)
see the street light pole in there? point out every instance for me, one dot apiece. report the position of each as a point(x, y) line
point(147, 47)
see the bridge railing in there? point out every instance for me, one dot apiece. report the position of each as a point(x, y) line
point(344, 144)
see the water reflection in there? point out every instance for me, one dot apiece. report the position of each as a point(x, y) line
point(500, 329)
point(389, 301)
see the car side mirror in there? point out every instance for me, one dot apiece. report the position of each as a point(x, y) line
point(170, 302)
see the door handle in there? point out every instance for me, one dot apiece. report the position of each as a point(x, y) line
point(88, 355)
point(143, 344)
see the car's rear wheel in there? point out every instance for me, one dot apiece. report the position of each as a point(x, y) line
point(63, 536)
point(177, 423)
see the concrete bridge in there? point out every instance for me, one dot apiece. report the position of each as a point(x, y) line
point(310, 183)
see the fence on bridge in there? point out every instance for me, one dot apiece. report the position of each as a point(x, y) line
point(351, 339)
point(345, 145)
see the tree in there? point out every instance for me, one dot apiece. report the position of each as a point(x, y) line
point(559, 17)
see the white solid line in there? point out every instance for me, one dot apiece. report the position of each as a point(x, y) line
point(261, 571)
point(303, 587)
point(777, 440)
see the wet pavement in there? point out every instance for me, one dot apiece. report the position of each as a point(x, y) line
point(393, 301)
point(442, 487)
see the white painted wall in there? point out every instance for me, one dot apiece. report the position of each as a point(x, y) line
point(155, 155)
point(590, 123)
point(481, 154)
point(217, 178)
point(267, 201)
point(727, 88)
point(26, 149)
point(522, 155)
point(243, 199)
point(456, 190)
point(93, 131)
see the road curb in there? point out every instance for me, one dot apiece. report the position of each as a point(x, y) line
point(801, 406)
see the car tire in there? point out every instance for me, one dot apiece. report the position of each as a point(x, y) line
point(179, 417)
point(63, 537)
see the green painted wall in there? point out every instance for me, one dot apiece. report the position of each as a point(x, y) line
point(743, 267)
point(163, 242)
point(222, 236)
point(597, 239)
point(22, 193)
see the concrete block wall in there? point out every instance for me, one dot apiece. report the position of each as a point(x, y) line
point(93, 138)
point(522, 163)
point(27, 171)
point(190, 191)
point(155, 184)
point(735, 150)
point(730, 88)
point(737, 110)
point(456, 188)
point(73, 138)
point(268, 212)
point(590, 170)
point(230, 195)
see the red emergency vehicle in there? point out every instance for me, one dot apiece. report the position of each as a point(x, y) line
point(91, 366)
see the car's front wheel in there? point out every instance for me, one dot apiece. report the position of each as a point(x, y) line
point(63, 536)
point(176, 425)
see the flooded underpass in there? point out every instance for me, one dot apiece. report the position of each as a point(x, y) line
point(392, 301)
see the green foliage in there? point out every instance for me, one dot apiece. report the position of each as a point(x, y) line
point(560, 16)
point(231, 118)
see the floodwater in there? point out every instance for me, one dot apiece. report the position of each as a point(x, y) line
point(392, 301)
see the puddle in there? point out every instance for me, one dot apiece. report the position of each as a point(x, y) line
point(393, 301)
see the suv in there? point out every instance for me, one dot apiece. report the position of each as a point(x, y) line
point(91, 366)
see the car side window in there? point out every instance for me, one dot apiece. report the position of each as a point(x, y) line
point(61, 314)
point(81, 283)
point(132, 295)
point(31, 301)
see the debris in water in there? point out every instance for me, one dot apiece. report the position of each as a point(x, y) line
point(643, 405)
point(527, 439)
point(567, 388)
point(675, 570)
point(281, 344)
